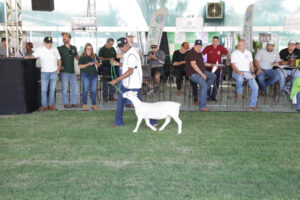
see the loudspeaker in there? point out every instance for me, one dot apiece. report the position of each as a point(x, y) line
point(42, 5)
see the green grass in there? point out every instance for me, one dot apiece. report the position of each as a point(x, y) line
point(77, 155)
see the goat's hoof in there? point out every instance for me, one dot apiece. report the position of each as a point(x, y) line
point(179, 132)
point(134, 131)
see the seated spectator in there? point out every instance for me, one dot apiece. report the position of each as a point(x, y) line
point(3, 48)
point(156, 57)
point(88, 64)
point(295, 93)
point(28, 49)
point(265, 59)
point(214, 54)
point(196, 71)
point(242, 65)
point(178, 62)
point(298, 45)
point(284, 73)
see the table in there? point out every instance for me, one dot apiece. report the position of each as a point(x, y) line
point(19, 86)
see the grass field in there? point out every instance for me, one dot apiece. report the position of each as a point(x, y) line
point(77, 155)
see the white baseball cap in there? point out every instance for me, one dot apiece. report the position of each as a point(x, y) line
point(271, 42)
point(153, 43)
point(292, 42)
point(130, 34)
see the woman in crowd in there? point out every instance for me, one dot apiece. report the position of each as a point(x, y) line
point(88, 63)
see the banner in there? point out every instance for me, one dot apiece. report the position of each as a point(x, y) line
point(247, 30)
point(156, 27)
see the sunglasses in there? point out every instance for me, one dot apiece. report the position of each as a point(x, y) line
point(153, 47)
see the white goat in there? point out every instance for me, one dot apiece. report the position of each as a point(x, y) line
point(158, 110)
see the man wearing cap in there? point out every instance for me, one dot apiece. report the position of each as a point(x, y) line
point(107, 53)
point(3, 48)
point(68, 52)
point(214, 54)
point(50, 67)
point(131, 78)
point(196, 71)
point(243, 68)
point(264, 61)
point(284, 73)
point(28, 49)
point(130, 38)
point(156, 57)
point(178, 62)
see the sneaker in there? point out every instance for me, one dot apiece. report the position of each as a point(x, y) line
point(67, 106)
point(94, 107)
point(282, 92)
point(178, 92)
point(150, 91)
point(84, 108)
point(298, 110)
point(51, 107)
point(205, 109)
point(287, 91)
point(254, 108)
point(156, 90)
point(43, 109)
point(76, 105)
point(196, 102)
point(129, 106)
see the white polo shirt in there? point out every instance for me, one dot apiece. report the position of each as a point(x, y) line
point(48, 58)
point(132, 60)
point(242, 60)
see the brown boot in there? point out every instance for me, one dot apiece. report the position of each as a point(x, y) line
point(84, 108)
point(254, 108)
point(178, 92)
point(67, 106)
point(239, 96)
point(196, 103)
point(76, 105)
point(205, 109)
point(51, 107)
point(94, 107)
point(43, 109)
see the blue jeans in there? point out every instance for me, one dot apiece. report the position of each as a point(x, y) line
point(89, 81)
point(253, 85)
point(204, 86)
point(108, 89)
point(283, 74)
point(272, 74)
point(212, 95)
point(48, 78)
point(121, 103)
point(128, 102)
point(67, 78)
point(298, 101)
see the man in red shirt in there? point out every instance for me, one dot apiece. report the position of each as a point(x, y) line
point(214, 53)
